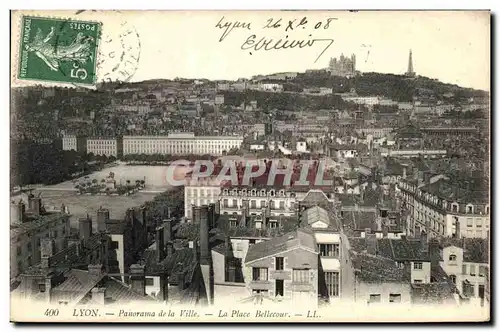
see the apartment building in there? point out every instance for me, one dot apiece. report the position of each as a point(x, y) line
point(279, 202)
point(105, 146)
point(27, 229)
point(180, 144)
point(203, 191)
point(466, 261)
point(435, 209)
point(284, 268)
point(75, 143)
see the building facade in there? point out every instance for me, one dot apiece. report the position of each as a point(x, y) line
point(440, 216)
point(180, 144)
point(105, 146)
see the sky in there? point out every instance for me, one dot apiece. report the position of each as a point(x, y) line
point(453, 47)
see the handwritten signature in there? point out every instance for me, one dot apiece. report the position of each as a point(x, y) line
point(269, 44)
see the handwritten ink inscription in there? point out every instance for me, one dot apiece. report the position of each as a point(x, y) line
point(253, 42)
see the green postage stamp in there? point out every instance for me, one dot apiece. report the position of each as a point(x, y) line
point(58, 50)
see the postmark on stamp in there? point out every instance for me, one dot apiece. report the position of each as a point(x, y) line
point(58, 50)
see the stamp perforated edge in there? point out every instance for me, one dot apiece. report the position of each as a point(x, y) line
point(17, 32)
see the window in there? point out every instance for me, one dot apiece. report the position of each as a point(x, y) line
point(464, 269)
point(482, 270)
point(272, 205)
point(300, 276)
point(375, 298)
point(417, 266)
point(273, 224)
point(417, 281)
point(453, 278)
point(150, 281)
point(468, 289)
point(470, 209)
point(259, 274)
point(19, 251)
point(232, 223)
point(262, 204)
point(225, 202)
point(395, 298)
point(41, 288)
point(332, 283)
point(469, 222)
point(239, 246)
point(328, 249)
point(253, 204)
point(235, 203)
point(282, 205)
point(453, 259)
point(280, 263)
point(280, 287)
point(472, 270)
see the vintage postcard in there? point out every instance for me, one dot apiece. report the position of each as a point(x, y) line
point(250, 166)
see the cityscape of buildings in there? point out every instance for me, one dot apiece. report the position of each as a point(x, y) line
point(406, 218)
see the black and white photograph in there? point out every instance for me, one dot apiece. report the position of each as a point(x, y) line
point(250, 166)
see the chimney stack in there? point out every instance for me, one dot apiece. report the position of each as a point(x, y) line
point(34, 204)
point(181, 276)
point(85, 227)
point(102, 219)
point(211, 215)
point(160, 243)
point(434, 251)
point(138, 279)
point(47, 249)
point(371, 244)
point(163, 293)
point(196, 214)
point(204, 250)
point(99, 295)
point(424, 241)
point(169, 238)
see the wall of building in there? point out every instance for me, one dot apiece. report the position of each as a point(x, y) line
point(423, 274)
point(218, 262)
point(119, 252)
point(296, 258)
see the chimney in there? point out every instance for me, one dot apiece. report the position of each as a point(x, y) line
point(95, 269)
point(102, 219)
point(140, 215)
point(163, 292)
point(98, 295)
point(21, 210)
point(227, 246)
point(169, 238)
point(434, 251)
point(138, 279)
point(47, 249)
point(85, 227)
point(129, 216)
point(196, 214)
point(217, 207)
point(424, 241)
point(160, 243)
point(211, 215)
point(181, 278)
point(34, 204)
point(371, 244)
point(204, 251)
